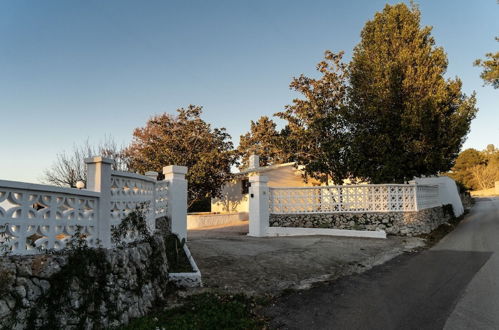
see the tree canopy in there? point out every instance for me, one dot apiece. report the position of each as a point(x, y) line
point(406, 119)
point(316, 133)
point(185, 140)
point(263, 140)
point(477, 169)
point(490, 65)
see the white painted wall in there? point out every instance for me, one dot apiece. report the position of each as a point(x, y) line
point(448, 191)
point(234, 201)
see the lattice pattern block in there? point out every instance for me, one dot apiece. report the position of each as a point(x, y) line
point(354, 198)
point(43, 219)
point(161, 198)
point(128, 194)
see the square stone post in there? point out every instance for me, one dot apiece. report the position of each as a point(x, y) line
point(177, 199)
point(99, 180)
point(258, 206)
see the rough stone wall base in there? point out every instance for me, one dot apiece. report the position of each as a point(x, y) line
point(396, 223)
point(132, 287)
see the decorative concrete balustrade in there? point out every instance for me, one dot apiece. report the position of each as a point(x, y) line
point(290, 206)
point(36, 216)
point(353, 198)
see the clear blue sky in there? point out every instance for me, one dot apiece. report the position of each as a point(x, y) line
point(77, 70)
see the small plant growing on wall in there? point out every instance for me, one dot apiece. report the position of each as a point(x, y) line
point(4, 240)
point(132, 228)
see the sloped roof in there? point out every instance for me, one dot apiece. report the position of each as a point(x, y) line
point(265, 168)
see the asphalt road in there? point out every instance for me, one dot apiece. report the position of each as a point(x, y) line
point(454, 285)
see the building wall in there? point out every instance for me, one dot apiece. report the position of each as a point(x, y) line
point(234, 201)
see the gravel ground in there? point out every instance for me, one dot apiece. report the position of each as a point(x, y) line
point(233, 262)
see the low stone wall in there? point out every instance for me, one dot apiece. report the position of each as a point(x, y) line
point(88, 288)
point(396, 223)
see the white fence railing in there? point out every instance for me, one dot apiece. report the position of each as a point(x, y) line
point(35, 217)
point(44, 216)
point(353, 198)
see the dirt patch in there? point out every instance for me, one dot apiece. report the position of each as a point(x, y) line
point(232, 262)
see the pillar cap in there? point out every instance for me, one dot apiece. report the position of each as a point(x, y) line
point(175, 169)
point(99, 159)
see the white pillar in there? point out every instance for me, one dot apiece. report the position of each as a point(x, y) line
point(152, 175)
point(99, 179)
point(258, 206)
point(254, 161)
point(177, 199)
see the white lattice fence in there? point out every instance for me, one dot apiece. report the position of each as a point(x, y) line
point(161, 198)
point(130, 191)
point(44, 217)
point(34, 217)
point(354, 198)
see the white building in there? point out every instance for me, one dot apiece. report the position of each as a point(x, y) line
point(235, 193)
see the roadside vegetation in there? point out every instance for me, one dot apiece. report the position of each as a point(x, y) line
point(205, 311)
point(477, 170)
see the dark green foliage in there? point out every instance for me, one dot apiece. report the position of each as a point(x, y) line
point(203, 205)
point(177, 259)
point(406, 119)
point(265, 141)
point(86, 269)
point(317, 134)
point(490, 65)
point(204, 311)
point(133, 224)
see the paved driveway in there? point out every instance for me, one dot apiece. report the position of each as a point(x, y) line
point(231, 261)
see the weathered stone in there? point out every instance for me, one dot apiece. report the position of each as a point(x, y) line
point(24, 268)
point(20, 291)
point(4, 308)
point(125, 296)
point(398, 223)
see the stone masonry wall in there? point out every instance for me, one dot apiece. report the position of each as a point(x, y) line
point(396, 223)
point(124, 285)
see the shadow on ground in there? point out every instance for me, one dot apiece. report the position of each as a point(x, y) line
point(400, 294)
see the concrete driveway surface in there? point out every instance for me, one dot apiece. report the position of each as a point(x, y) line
point(454, 285)
point(231, 261)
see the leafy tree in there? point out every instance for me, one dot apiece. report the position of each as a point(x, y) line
point(490, 73)
point(406, 119)
point(465, 162)
point(263, 140)
point(70, 167)
point(185, 140)
point(317, 133)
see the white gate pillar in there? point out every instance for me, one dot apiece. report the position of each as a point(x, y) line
point(258, 206)
point(177, 199)
point(99, 179)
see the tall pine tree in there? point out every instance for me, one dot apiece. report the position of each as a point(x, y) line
point(406, 119)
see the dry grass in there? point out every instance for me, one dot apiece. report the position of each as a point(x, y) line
point(484, 192)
